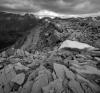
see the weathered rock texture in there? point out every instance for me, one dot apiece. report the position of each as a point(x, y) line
point(36, 64)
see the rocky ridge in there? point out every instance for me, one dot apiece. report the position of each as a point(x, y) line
point(38, 64)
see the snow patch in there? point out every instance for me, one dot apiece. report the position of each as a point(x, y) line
point(74, 44)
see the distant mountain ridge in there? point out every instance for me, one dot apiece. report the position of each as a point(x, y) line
point(13, 26)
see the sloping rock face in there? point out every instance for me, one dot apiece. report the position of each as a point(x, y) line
point(40, 38)
point(37, 64)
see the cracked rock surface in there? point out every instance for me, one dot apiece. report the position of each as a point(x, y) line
point(38, 64)
point(63, 71)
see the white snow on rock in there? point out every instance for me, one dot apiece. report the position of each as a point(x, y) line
point(74, 44)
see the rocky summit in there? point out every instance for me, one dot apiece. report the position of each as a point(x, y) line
point(51, 58)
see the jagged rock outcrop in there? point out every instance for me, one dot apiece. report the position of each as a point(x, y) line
point(39, 38)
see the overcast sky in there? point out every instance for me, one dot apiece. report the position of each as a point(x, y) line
point(58, 6)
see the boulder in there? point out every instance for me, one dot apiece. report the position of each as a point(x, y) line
point(75, 45)
point(62, 72)
point(75, 86)
point(7, 74)
point(19, 79)
point(19, 66)
point(54, 87)
point(40, 81)
point(91, 85)
point(27, 88)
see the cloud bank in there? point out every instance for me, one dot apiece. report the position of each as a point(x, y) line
point(63, 7)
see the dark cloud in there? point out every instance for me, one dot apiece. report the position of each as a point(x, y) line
point(59, 6)
point(19, 5)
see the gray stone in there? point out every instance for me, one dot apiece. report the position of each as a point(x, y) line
point(19, 66)
point(27, 88)
point(19, 79)
point(7, 74)
point(75, 86)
